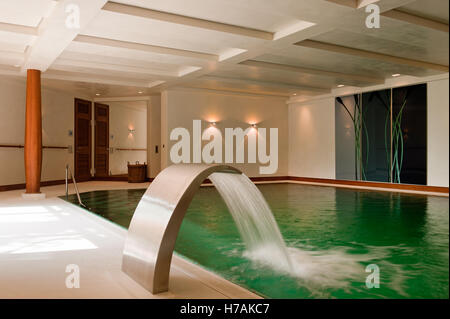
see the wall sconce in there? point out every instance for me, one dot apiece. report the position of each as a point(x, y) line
point(254, 125)
point(131, 131)
point(213, 123)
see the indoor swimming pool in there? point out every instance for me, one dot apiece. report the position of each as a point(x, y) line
point(332, 236)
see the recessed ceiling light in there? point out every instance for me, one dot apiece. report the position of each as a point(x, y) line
point(294, 94)
point(98, 94)
point(340, 85)
point(396, 74)
point(140, 92)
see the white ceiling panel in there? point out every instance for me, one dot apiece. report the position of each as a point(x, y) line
point(122, 62)
point(266, 15)
point(325, 60)
point(107, 51)
point(24, 12)
point(278, 76)
point(422, 45)
point(106, 72)
point(159, 33)
point(91, 89)
point(432, 9)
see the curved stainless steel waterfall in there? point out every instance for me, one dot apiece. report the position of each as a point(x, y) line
point(154, 228)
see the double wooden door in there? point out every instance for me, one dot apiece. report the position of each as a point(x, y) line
point(83, 140)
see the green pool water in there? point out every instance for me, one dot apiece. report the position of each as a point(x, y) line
point(332, 235)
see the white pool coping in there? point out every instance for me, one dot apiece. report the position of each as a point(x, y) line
point(40, 238)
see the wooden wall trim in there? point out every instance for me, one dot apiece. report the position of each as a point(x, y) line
point(11, 145)
point(117, 178)
point(417, 188)
point(44, 147)
point(130, 149)
point(56, 147)
point(5, 188)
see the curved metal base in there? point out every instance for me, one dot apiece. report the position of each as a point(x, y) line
point(155, 224)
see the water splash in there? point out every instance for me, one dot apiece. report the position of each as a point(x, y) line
point(254, 219)
point(316, 270)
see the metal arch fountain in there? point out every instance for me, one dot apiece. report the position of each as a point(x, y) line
point(154, 228)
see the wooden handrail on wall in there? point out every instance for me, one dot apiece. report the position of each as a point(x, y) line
point(11, 145)
point(44, 147)
point(130, 149)
point(56, 147)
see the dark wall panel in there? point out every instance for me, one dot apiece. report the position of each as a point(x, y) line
point(376, 139)
point(409, 111)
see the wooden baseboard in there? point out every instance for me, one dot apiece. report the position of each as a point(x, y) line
point(259, 179)
point(111, 178)
point(410, 187)
point(5, 188)
point(116, 178)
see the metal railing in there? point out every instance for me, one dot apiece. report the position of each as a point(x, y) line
point(68, 170)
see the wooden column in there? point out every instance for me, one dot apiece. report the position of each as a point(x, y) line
point(33, 133)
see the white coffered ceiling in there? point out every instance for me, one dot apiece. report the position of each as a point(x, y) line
point(285, 47)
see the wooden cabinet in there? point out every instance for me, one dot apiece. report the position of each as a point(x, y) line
point(137, 173)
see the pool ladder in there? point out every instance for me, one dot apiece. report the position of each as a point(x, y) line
point(68, 170)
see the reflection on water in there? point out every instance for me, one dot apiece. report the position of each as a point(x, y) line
point(332, 234)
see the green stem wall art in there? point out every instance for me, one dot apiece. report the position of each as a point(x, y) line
point(358, 127)
point(389, 139)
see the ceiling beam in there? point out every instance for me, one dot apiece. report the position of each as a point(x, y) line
point(303, 70)
point(355, 4)
point(17, 28)
point(145, 47)
point(62, 62)
point(94, 78)
point(185, 20)
point(265, 84)
point(370, 55)
point(55, 35)
point(347, 3)
point(239, 90)
point(417, 20)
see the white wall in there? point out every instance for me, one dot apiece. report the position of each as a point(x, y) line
point(312, 132)
point(121, 118)
point(312, 139)
point(180, 107)
point(57, 120)
point(438, 132)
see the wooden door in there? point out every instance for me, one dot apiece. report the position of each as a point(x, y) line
point(101, 157)
point(82, 137)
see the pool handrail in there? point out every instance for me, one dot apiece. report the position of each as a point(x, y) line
point(68, 170)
